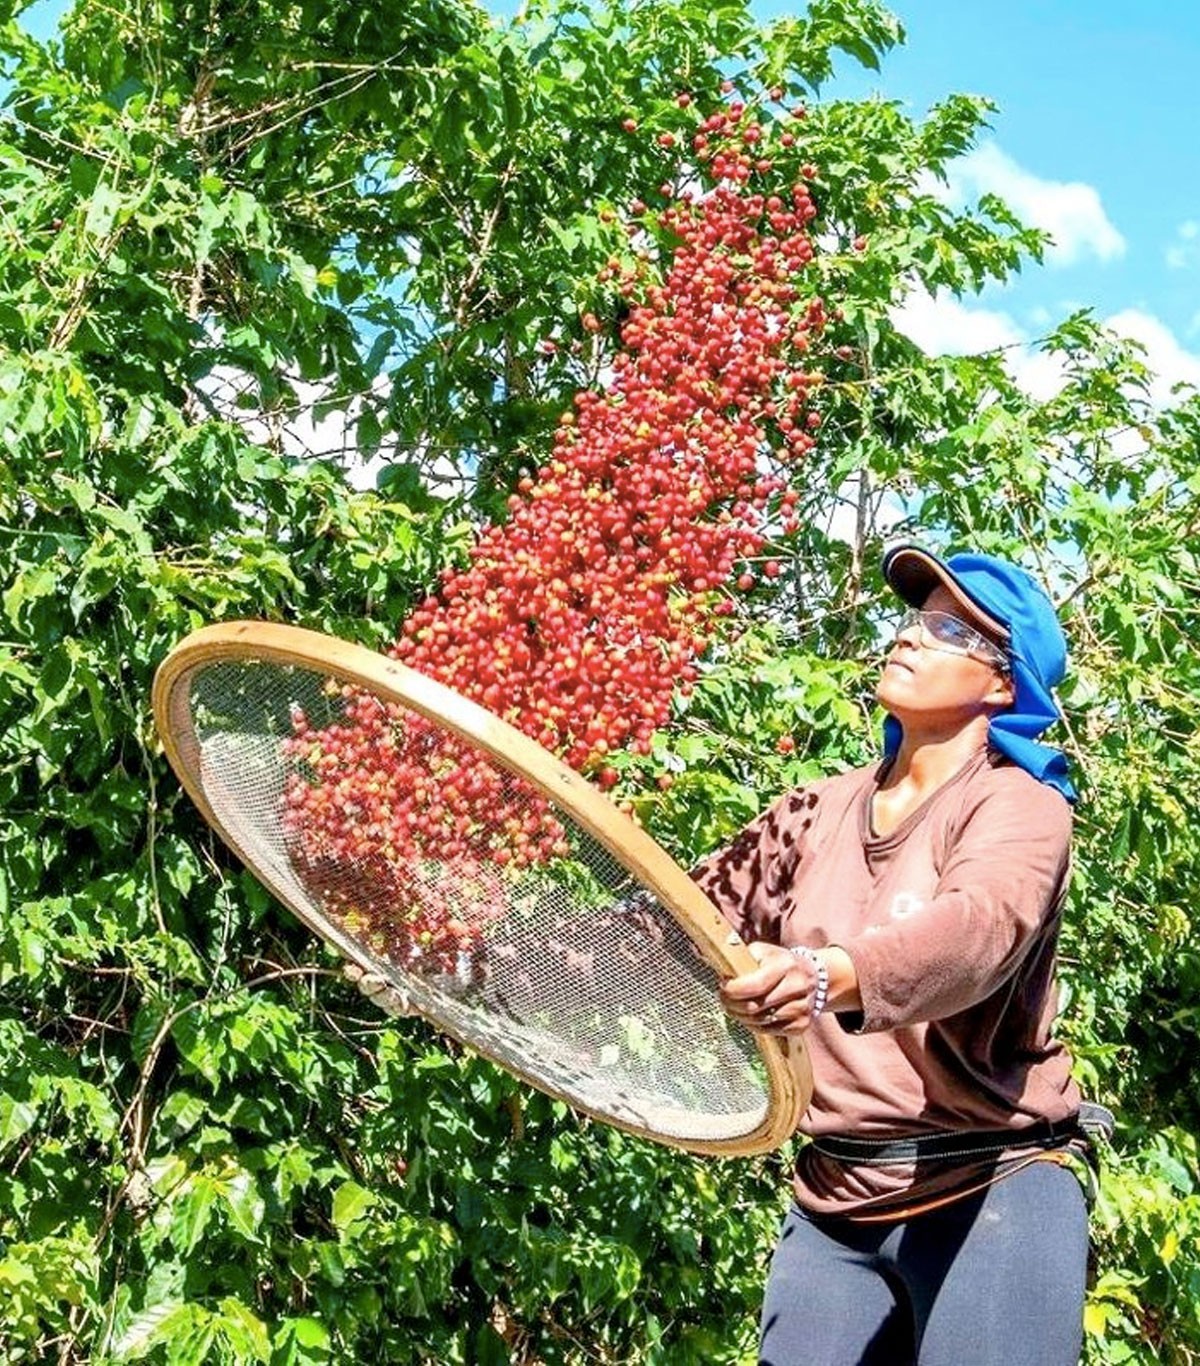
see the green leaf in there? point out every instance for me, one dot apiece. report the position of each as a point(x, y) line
point(244, 1331)
point(192, 1210)
point(153, 1325)
point(182, 1111)
point(55, 684)
point(32, 583)
point(310, 1333)
point(490, 1348)
point(351, 1202)
point(146, 1025)
point(17, 1117)
point(368, 432)
point(302, 1342)
point(243, 1204)
point(81, 493)
point(102, 211)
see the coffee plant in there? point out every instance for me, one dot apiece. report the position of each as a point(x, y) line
point(606, 296)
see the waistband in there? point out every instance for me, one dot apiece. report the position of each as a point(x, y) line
point(875, 1152)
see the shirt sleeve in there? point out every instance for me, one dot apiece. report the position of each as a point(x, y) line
point(745, 878)
point(1003, 880)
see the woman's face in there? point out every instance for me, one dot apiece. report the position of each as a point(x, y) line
point(935, 689)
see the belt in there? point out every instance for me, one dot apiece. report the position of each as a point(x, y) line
point(876, 1152)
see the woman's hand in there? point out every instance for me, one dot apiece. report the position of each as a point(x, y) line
point(777, 997)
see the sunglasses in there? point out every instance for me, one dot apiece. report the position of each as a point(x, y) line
point(941, 631)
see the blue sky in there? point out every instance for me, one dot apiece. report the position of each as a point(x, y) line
point(1096, 138)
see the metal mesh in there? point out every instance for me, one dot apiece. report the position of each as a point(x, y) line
point(499, 917)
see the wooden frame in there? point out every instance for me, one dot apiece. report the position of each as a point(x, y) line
point(785, 1060)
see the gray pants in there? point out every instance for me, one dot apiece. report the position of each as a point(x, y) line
point(996, 1279)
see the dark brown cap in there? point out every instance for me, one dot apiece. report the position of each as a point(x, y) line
point(914, 573)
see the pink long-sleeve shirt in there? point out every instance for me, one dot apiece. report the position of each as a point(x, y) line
point(951, 921)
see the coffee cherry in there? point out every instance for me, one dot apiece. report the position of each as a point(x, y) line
point(582, 617)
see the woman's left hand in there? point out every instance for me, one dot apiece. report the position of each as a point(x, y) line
point(777, 997)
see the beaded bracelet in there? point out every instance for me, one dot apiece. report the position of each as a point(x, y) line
point(821, 994)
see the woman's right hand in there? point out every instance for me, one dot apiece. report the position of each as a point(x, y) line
point(777, 997)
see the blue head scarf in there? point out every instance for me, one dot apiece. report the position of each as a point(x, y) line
point(1011, 604)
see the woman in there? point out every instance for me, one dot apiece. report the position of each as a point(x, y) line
point(905, 918)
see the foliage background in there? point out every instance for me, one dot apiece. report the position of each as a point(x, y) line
point(222, 221)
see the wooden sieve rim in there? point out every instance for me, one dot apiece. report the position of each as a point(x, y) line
point(788, 1070)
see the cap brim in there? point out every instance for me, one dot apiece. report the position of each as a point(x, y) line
point(914, 574)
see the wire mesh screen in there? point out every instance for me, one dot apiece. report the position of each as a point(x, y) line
point(495, 913)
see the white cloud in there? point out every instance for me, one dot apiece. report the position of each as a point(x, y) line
point(1167, 359)
point(942, 325)
point(1070, 211)
point(1184, 252)
point(1040, 373)
point(945, 326)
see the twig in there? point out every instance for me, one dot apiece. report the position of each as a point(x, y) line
point(481, 251)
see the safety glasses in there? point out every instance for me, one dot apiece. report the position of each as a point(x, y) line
point(941, 631)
